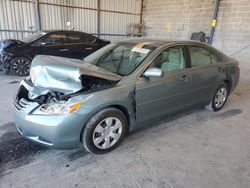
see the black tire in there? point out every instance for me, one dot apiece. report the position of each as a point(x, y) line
point(215, 106)
point(89, 134)
point(20, 66)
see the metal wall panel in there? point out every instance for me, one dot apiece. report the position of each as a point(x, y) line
point(84, 20)
point(53, 17)
point(17, 16)
point(130, 6)
point(78, 3)
point(116, 23)
point(80, 19)
point(114, 38)
point(116, 16)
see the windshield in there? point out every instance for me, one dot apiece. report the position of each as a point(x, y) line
point(122, 58)
point(33, 37)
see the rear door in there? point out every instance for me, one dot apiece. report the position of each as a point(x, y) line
point(81, 45)
point(205, 69)
point(156, 97)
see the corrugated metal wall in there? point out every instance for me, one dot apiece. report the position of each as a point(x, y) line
point(81, 14)
point(112, 21)
point(18, 17)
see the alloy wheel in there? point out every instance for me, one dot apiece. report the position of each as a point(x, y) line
point(21, 66)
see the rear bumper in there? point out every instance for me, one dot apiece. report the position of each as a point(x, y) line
point(235, 79)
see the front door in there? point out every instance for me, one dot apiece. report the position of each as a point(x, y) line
point(157, 97)
point(54, 44)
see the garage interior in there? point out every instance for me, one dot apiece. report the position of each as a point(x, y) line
point(193, 149)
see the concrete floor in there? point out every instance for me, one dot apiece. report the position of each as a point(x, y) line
point(195, 149)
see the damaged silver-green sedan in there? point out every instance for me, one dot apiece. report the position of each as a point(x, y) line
point(67, 103)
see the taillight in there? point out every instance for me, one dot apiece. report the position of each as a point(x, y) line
point(238, 67)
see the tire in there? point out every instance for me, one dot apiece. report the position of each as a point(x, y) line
point(219, 98)
point(20, 66)
point(104, 131)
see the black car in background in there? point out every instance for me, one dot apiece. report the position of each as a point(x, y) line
point(16, 55)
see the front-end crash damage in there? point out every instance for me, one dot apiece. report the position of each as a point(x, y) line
point(53, 79)
point(6, 54)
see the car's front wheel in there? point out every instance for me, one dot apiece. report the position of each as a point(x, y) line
point(104, 131)
point(219, 98)
point(20, 66)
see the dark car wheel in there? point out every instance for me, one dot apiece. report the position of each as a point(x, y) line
point(104, 131)
point(219, 98)
point(20, 66)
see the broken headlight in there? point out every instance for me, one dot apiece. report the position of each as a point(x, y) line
point(57, 108)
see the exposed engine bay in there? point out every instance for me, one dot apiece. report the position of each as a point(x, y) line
point(89, 84)
point(55, 79)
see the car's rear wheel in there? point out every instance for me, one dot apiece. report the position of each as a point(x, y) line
point(219, 98)
point(20, 66)
point(104, 131)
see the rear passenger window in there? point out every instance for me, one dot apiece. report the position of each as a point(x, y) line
point(215, 59)
point(79, 38)
point(90, 38)
point(76, 38)
point(200, 56)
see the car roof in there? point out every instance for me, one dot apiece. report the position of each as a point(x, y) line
point(66, 31)
point(158, 42)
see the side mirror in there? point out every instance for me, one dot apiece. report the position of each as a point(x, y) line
point(153, 72)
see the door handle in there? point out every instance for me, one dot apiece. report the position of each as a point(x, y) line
point(184, 78)
point(88, 48)
point(64, 50)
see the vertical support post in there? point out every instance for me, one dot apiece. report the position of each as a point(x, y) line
point(214, 21)
point(141, 11)
point(38, 16)
point(98, 17)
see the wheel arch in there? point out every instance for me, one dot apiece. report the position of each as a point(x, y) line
point(124, 110)
point(229, 84)
point(120, 107)
point(22, 55)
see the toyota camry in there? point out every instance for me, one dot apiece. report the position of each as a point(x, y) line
point(69, 103)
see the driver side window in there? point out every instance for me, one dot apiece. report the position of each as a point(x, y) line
point(169, 60)
point(54, 39)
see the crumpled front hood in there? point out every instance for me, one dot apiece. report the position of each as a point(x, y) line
point(64, 75)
